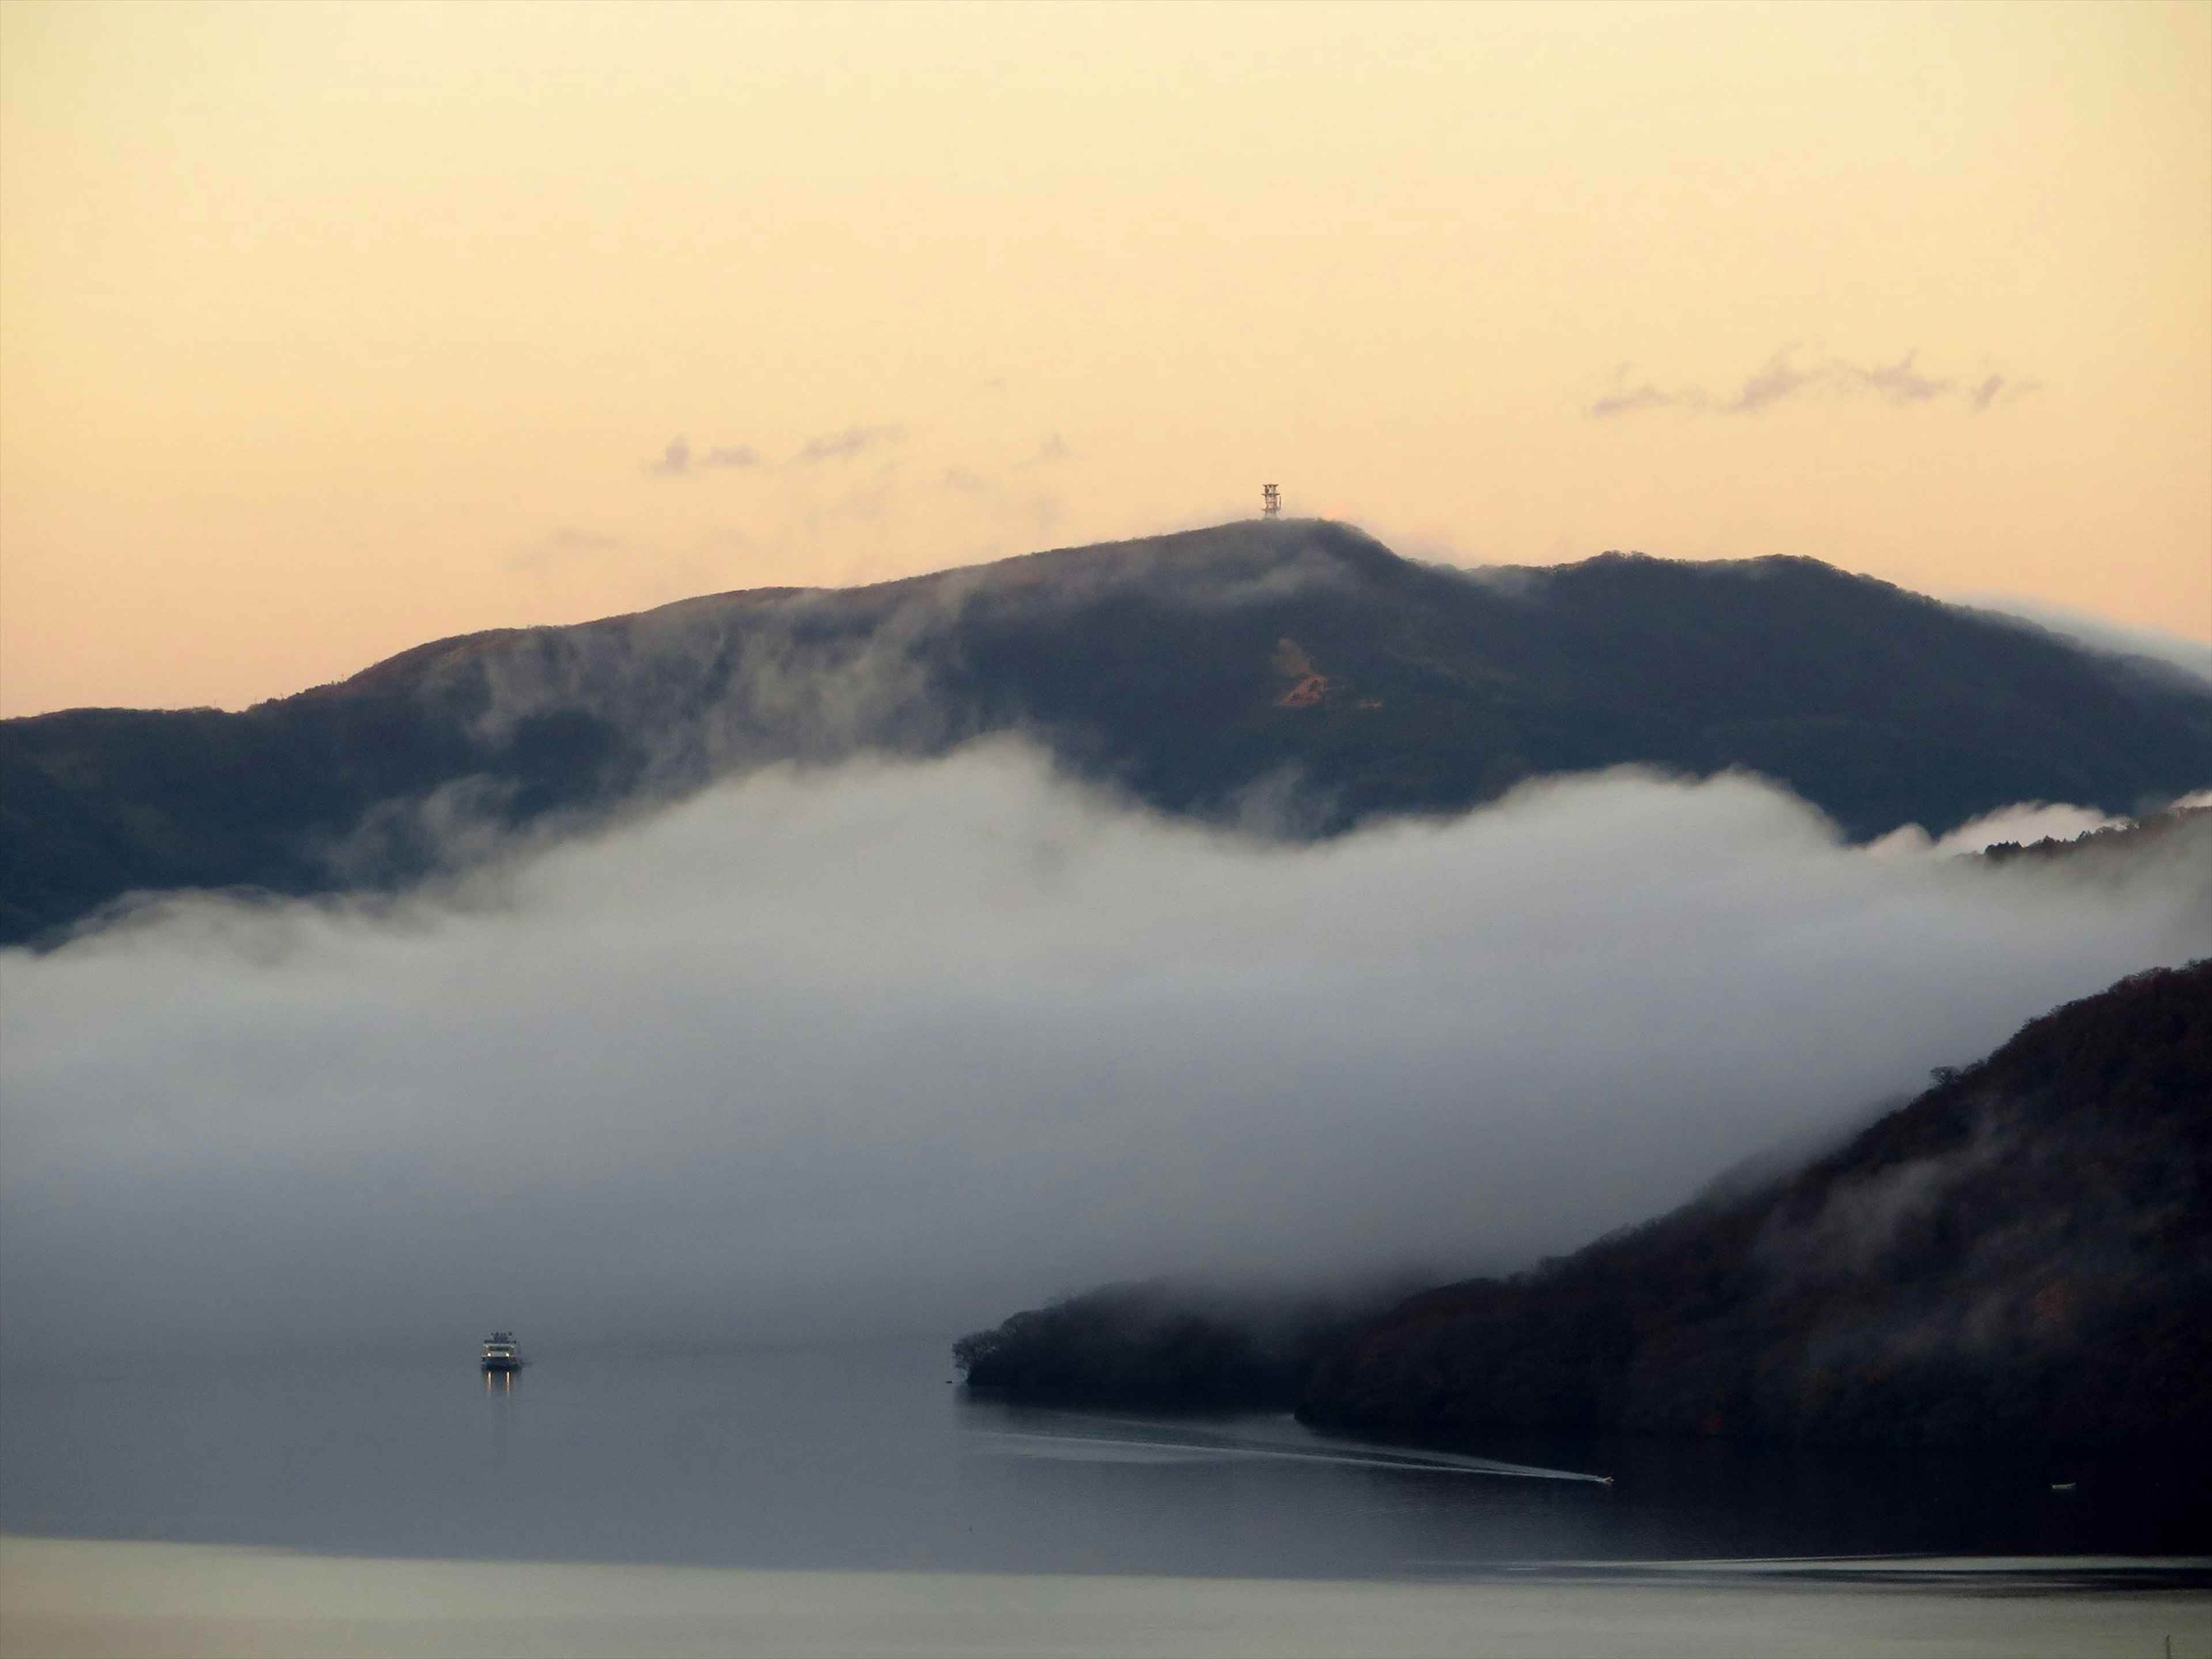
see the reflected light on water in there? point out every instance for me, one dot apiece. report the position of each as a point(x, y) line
point(860, 1459)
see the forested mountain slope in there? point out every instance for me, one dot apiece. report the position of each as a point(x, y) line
point(1296, 674)
point(2021, 1256)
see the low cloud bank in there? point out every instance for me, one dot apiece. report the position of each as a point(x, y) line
point(902, 1048)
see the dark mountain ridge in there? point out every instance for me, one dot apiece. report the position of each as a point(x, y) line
point(2022, 1256)
point(1203, 672)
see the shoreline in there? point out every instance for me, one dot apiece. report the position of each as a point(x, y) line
point(63, 1598)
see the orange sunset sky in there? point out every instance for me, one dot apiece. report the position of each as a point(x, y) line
point(325, 329)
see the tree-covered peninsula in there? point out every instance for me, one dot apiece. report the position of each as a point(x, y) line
point(2021, 1256)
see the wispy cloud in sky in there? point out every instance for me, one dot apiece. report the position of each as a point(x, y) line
point(1630, 399)
point(680, 460)
point(842, 445)
point(1776, 379)
point(1788, 375)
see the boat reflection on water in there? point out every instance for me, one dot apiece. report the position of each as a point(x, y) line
point(501, 1360)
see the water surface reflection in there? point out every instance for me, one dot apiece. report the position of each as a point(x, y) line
point(862, 1457)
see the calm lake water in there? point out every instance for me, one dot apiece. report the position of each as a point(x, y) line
point(863, 1458)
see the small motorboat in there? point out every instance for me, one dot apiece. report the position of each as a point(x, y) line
point(500, 1354)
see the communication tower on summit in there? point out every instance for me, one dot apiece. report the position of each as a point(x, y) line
point(1271, 502)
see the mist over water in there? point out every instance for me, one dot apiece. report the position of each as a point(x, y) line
point(899, 1048)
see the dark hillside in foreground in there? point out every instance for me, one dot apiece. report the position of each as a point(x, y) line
point(1188, 669)
point(2021, 1257)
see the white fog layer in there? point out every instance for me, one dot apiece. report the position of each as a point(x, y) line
point(903, 1049)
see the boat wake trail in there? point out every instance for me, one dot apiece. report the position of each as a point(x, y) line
point(1190, 1446)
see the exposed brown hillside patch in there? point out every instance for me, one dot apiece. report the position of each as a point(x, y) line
point(1309, 685)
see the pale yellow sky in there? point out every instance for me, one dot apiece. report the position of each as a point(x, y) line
point(326, 330)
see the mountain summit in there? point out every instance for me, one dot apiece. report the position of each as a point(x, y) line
point(1298, 663)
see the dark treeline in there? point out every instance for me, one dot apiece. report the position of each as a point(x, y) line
point(1160, 1346)
point(2185, 830)
point(2022, 1256)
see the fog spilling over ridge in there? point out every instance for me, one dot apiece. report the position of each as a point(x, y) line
point(899, 1047)
point(1298, 663)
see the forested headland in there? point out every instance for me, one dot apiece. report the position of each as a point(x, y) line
point(2021, 1256)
